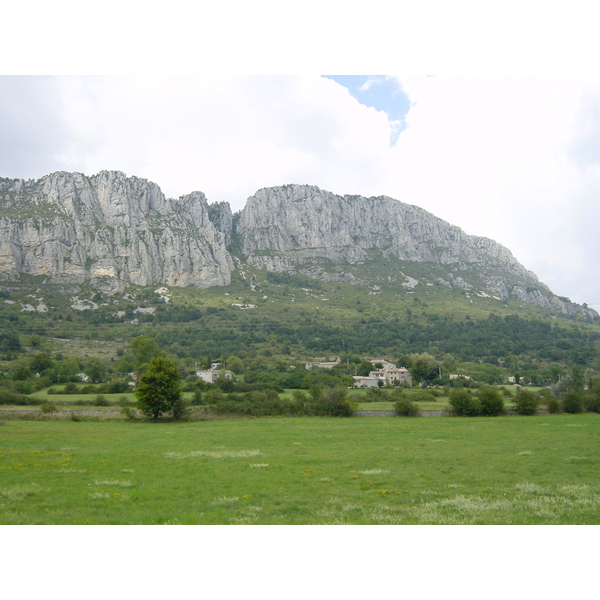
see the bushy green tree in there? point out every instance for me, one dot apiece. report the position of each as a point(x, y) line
point(404, 407)
point(421, 370)
point(235, 364)
point(159, 391)
point(526, 402)
point(95, 369)
point(553, 405)
point(491, 401)
point(592, 402)
point(34, 340)
point(335, 403)
point(463, 403)
point(226, 384)
point(21, 373)
point(573, 403)
point(41, 362)
point(65, 370)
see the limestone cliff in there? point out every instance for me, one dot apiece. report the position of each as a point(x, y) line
point(298, 226)
point(297, 222)
point(110, 230)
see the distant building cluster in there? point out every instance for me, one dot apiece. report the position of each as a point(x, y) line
point(389, 374)
point(385, 374)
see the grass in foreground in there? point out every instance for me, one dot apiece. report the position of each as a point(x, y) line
point(519, 470)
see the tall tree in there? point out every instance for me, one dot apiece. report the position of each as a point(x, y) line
point(95, 369)
point(159, 391)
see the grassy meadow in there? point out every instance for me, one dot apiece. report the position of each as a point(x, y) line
point(505, 470)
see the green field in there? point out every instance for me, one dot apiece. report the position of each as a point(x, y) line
point(505, 470)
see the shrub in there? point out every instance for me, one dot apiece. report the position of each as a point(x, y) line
point(180, 409)
point(126, 409)
point(100, 400)
point(23, 387)
point(492, 403)
point(129, 413)
point(21, 373)
point(8, 397)
point(330, 402)
point(375, 395)
point(196, 384)
point(254, 404)
point(39, 383)
point(117, 387)
point(48, 408)
point(526, 403)
point(544, 394)
point(124, 401)
point(405, 408)
point(573, 403)
point(197, 398)
point(463, 403)
point(553, 405)
point(214, 396)
point(75, 417)
point(592, 403)
point(335, 403)
point(425, 396)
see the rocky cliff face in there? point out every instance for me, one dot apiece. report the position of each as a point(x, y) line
point(108, 229)
point(297, 226)
point(112, 230)
point(298, 222)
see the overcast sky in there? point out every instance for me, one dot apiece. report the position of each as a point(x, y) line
point(513, 157)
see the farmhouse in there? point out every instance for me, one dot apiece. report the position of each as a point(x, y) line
point(401, 375)
point(366, 382)
point(211, 375)
point(384, 363)
point(457, 376)
point(389, 374)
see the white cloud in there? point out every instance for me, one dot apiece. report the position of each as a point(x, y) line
point(225, 136)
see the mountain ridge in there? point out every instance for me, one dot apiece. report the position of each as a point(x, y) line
point(111, 230)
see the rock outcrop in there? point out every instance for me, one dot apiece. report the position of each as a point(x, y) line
point(298, 222)
point(110, 230)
